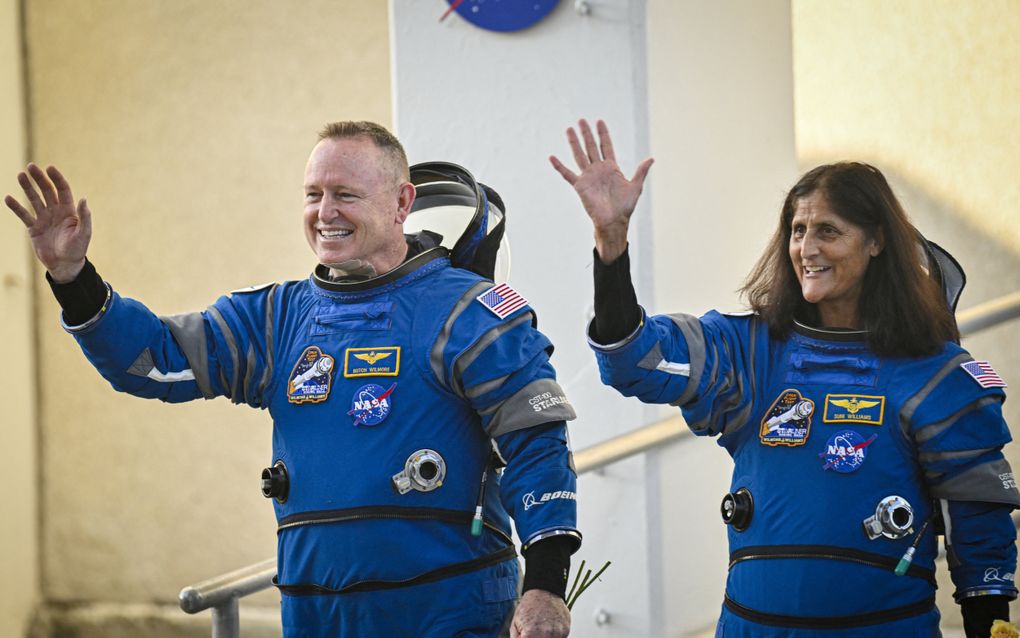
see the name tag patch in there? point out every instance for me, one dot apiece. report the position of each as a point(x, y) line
point(382, 361)
point(854, 408)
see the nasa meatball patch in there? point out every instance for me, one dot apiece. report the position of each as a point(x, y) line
point(311, 378)
point(371, 404)
point(788, 421)
point(845, 451)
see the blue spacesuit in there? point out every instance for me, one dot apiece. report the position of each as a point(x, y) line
point(395, 401)
point(842, 459)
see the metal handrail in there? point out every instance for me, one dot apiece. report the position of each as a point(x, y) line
point(991, 313)
point(634, 442)
point(221, 593)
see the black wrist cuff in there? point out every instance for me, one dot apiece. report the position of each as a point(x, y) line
point(547, 565)
point(81, 298)
point(979, 612)
point(617, 313)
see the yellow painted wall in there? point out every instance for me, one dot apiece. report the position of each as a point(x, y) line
point(186, 124)
point(19, 533)
point(928, 91)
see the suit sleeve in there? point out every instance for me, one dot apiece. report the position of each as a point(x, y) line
point(704, 366)
point(501, 368)
point(222, 351)
point(959, 432)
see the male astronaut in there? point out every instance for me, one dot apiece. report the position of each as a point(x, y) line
point(398, 385)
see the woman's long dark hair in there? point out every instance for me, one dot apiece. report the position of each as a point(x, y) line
point(903, 308)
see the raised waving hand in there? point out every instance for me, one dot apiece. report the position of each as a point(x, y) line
point(60, 230)
point(607, 195)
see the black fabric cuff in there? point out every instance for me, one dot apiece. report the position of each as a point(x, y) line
point(979, 612)
point(81, 298)
point(547, 565)
point(617, 313)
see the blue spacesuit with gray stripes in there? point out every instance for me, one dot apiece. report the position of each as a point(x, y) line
point(822, 433)
point(394, 401)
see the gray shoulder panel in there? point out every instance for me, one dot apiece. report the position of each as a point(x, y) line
point(911, 404)
point(485, 387)
point(436, 356)
point(189, 331)
point(233, 391)
point(541, 401)
point(932, 430)
point(246, 388)
point(267, 373)
point(752, 373)
point(468, 357)
point(693, 334)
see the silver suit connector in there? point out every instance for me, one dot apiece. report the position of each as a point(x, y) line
point(423, 471)
point(893, 518)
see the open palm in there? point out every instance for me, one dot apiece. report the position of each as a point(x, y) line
point(60, 230)
point(607, 195)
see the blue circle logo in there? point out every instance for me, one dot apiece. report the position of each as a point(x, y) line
point(845, 451)
point(371, 404)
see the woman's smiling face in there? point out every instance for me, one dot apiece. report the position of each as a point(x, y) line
point(830, 256)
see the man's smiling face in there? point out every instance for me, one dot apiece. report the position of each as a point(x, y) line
point(355, 204)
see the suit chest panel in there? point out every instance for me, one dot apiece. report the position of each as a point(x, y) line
point(827, 409)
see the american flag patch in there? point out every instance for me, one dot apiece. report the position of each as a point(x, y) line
point(502, 300)
point(984, 374)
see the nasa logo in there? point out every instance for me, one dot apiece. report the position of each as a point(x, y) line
point(370, 405)
point(845, 451)
point(311, 378)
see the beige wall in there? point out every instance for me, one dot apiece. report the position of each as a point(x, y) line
point(930, 87)
point(19, 533)
point(186, 124)
point(928, 91)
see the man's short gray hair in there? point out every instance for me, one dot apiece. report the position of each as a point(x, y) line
point(379, 134)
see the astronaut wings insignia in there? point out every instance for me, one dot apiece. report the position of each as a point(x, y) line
point(372, 357)
point(852, 405)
